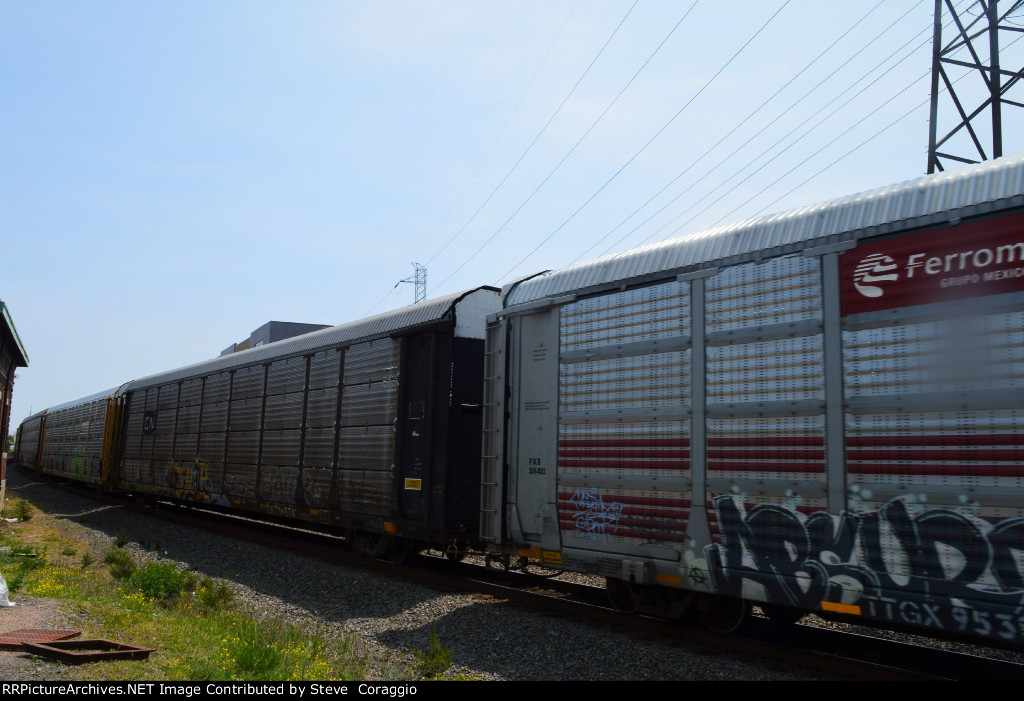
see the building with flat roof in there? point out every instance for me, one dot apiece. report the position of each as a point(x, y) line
point(12, 356)
point(270, 332)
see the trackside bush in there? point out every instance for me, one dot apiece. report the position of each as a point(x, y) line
point(161, 581)
point(435, 660)
point(121, 563)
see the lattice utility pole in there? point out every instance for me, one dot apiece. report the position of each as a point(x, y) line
point(974, 49)
point(420, 282)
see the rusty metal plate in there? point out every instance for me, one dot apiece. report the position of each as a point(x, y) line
point(94, 650)
point(15, 639)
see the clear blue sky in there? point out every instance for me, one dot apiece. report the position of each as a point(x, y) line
point(175, 174)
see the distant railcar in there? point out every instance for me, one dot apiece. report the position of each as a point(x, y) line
point(75, 440)
point(359, 427)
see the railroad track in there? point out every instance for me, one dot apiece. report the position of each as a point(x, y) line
point(831, 653)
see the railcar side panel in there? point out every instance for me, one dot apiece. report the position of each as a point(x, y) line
point(838, 429)
point(624, 421)
point(29, 441)
point(933, 345)
point(73, 444)
point(311, 430)
point(366, 458)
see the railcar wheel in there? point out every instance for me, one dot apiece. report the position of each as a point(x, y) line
point(721, 614)
point(398, 552)
point(360, 543)
point(620, 595)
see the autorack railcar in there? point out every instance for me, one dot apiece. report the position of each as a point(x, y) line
point(76, 440)
point(820, 410)
point(361, 428)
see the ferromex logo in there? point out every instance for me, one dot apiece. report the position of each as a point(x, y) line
point(872, 271)
point(957, 262)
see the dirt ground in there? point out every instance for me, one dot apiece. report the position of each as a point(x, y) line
point(29, 612)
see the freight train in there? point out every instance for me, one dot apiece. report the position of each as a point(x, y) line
point(815, 411)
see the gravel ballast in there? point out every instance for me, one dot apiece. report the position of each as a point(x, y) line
point(390, 618)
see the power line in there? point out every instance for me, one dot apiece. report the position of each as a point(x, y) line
point(649, 142)
point(858, 146)
point(501, 131)
point(844, 133)
point(790, 133)
point(735, 129)
point(505, 126)
point(539, 134)
point(855, 148)
point(573, 148)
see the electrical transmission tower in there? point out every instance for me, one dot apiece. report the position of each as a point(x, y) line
point(419, 280)
point(978, 99)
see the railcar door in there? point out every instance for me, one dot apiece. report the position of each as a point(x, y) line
point(533, 470)
point(423, 427)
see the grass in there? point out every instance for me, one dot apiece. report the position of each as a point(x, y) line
point(121, 562)
point(19, 509)
point(195, 624)
point(433, 662)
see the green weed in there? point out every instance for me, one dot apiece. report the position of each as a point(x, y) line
point(19, 509)
point(121, 563)
point(25, 560)
point(432, 662)
point(213, 595)
point(161, 581)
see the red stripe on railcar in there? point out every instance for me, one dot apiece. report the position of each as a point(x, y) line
point(612, 463)
point(775, 466)
point(643, 501)
point(798, 453)
point(938, 454)
point(645, 534)
point(671, 514)
point(958, 470)
point(979, 439)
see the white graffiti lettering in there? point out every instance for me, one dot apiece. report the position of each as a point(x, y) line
point(938, 568)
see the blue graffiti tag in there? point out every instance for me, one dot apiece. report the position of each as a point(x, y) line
point(593, 518)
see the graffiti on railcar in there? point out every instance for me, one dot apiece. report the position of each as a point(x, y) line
point(191, 479)
point(592, 517)
point(936, 568)
point(279, 483)
point(79, 464)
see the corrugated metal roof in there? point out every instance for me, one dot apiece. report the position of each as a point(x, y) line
point(352, 332)
point(83, 400)
point(968, 191)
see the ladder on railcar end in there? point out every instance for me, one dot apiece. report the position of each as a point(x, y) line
point(491, 461)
